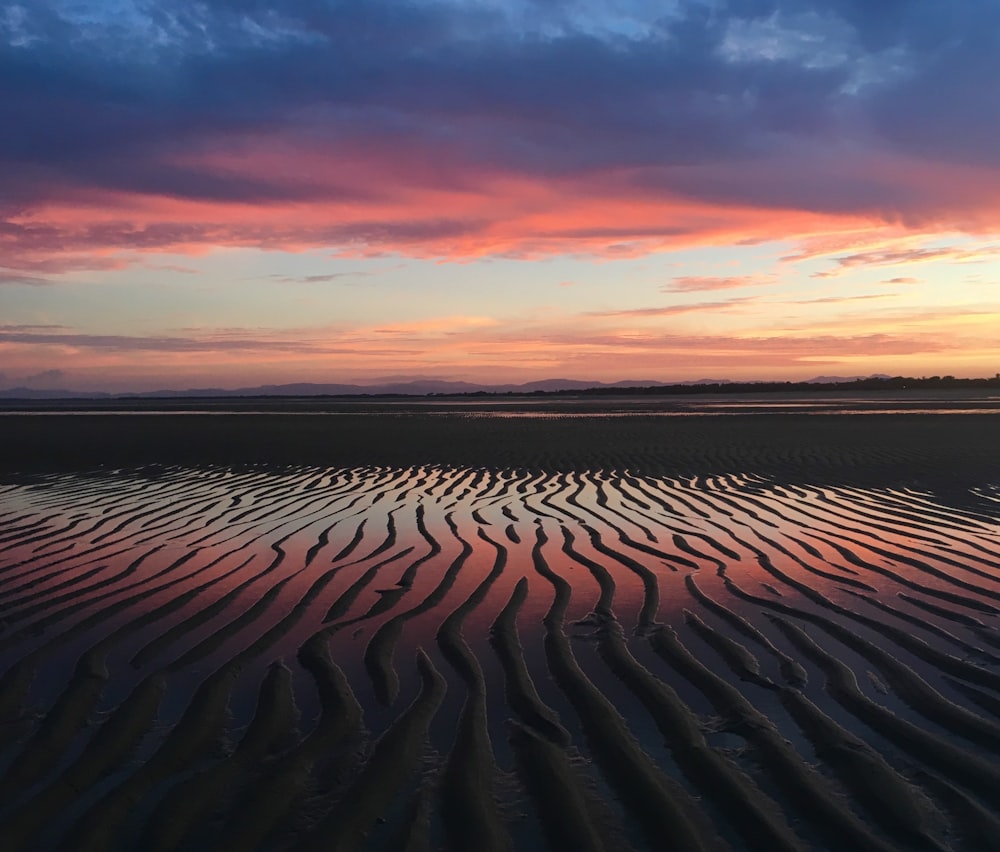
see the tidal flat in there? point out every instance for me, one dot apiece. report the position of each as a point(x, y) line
point(526, 624)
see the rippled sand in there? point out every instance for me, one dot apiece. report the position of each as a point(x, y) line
point(561, 655)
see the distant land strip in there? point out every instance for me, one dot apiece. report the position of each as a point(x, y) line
point(546, 387)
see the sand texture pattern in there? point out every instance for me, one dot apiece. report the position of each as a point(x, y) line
point(660, 641)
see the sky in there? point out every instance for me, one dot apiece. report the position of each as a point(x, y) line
point(231, 193)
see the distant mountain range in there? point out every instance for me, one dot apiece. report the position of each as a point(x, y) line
point(833, 380)
point(418, 387)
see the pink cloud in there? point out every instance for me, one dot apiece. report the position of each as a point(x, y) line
point(910, 256)
point(607, 346)
point(675, 310)
point(372, 197)
point(836, 300)
point(691, 284)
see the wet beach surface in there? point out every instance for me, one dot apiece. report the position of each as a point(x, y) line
point(422, 625)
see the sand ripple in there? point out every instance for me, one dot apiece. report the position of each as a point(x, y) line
point(394, 657)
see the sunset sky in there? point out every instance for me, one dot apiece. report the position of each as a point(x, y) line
point(231, 193)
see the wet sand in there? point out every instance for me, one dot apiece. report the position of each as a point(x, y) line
point(768, 436)
point(410, 630)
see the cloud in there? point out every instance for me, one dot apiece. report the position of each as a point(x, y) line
point(46, 378)
point(675, 310)
point(27, 328)
point(954, 321)
point(749, 353)
point(448, 326)
point(603, 345)
point(21, 279)
point(902, 280)
point(460, 130)
point(692, 284)
point(910, 256)
point(319, 279)
point(180, 269)
point(40, 336)
point(836, 300)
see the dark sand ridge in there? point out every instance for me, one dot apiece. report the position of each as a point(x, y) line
point(970, 650)
point(265, 805)
point(791, 670)
point(118, 508)
point(76, 702)
point(903, 551)
point(852, 557)
point(943, 575)
point(394, 758)
point(858, 503)
point(522, 697)
point(84, 689)
point(189, 802)
point(971, 770)
point(977, 828)
point(661, 808)
point(945, 612)
point(378, 654)
point(628, 531)
point(886, 795)
point(190, 736)
point(819, 803)
point(910, 503)
point(98, 552)
point(756, 818)
point(126, 592)
point(564, 804)
point(67, 715)
point(908, 683)
point(467, 784)
point(207, 613)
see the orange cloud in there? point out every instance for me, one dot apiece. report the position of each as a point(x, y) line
point(377, 196)
point(362, 201)
point(675, 310)
point(602, 347)
point(910, 256)
point(691, 284)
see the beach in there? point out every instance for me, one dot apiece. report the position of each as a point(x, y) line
point(515, 624)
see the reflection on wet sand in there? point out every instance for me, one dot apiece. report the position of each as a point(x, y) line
point(358, 657)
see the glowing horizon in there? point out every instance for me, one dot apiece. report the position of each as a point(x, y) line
point(346, 192)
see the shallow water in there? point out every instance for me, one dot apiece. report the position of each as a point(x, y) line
point(188, 572)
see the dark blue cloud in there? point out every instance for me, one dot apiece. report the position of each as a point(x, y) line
point(119, 102)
